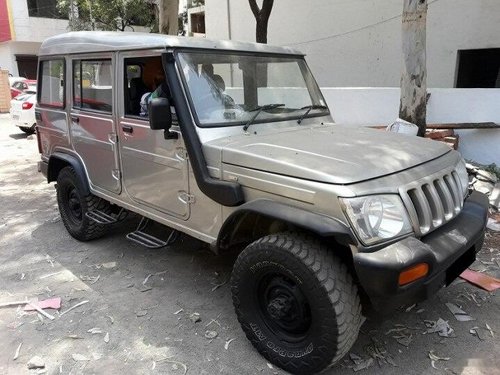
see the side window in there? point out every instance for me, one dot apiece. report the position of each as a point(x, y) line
point(52, 83)
point(144, 79)
point(92, 85)
point(135, 88)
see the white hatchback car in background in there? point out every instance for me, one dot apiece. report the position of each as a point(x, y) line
point(22, 111)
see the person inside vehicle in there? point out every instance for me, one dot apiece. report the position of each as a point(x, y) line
point(160, 90)
point(208, 69)
point(221, 85)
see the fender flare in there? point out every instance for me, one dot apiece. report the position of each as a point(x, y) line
point(322, 225)
point(54, 168)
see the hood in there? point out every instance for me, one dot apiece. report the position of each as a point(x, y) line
point(330, 153)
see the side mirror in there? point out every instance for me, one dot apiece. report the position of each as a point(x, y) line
point(160, 116)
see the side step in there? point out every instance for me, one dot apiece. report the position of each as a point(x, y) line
point(103, 218)
point(140, 237)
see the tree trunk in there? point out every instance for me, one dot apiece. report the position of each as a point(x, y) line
point(261, 18)
point(168, 13)
point(262, 21)
point(414, 72)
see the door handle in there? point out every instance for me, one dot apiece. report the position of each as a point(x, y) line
point(127, 129)
point(75, 119)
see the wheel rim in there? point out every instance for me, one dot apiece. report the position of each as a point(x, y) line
point(283, 307)
point(74, 205)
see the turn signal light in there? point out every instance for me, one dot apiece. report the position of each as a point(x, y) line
point(27, 105)
point(413, 273)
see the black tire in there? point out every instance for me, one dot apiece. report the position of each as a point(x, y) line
point(296, 302)
point(73, 204)
point(28, 130)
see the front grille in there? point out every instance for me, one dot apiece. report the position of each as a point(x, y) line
point(433, 202)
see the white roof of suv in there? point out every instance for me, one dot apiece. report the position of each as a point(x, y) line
point(100, 41)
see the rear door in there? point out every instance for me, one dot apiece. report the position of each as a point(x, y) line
point(92, 119)
point(154, 169)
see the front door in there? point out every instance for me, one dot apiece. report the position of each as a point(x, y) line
point(154, 169)
point(92, 120)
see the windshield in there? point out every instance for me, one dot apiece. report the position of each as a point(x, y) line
point(227, 89)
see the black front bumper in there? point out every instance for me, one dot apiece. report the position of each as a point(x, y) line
point(448, 251)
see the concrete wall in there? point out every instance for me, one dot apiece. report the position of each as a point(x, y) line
point(9, 50)
point(29, 33)
point(34, 29)
point(6, 57)
point(379, 106)
point(358, 42)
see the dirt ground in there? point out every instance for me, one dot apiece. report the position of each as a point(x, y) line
point(137, 302)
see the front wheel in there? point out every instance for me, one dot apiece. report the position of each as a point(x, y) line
point(296, 302)
point(74, 204)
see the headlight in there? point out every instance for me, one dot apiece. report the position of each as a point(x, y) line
point(377, 218)
point(461, 170)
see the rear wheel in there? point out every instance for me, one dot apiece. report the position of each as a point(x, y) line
point(296, 302)
point(74, 204)
point(28, 130)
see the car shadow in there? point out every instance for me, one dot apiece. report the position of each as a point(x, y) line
point(18, 136)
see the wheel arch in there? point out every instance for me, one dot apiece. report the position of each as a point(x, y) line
point(60, 160)
point(263, 216)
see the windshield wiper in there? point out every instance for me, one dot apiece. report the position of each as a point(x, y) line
point(259, 109)
point(309, 109)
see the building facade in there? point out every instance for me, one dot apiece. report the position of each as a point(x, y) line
point(358, 42)
point(24, 24)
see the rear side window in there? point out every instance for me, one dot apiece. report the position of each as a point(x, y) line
point(92, 85)
point(52, 83)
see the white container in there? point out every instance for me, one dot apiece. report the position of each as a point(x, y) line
point(403, 127)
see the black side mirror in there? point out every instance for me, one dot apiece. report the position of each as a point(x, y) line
point(160, 116)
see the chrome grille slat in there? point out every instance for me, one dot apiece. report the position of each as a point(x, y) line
point(447, 201)
point(459, 185)
point(455, 191)
point(434, 201)
point(423, 209)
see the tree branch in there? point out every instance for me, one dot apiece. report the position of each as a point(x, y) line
point(267, 6)
point(254, 7)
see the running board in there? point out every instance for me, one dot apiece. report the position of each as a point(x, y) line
point(103, 218)
point(140, 237)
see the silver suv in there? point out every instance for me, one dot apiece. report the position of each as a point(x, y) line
point(234, 144)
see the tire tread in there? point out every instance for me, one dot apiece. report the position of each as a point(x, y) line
point(334, 278)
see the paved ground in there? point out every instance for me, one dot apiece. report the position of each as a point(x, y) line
point(147, 322)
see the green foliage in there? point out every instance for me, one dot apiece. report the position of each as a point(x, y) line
point(492, 168)
point(121, 15)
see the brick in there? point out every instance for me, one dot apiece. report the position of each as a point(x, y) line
point(441, 133)
point(451, 141)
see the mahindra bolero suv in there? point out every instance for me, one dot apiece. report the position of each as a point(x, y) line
point(234, 144)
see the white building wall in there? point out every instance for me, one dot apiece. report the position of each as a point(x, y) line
point(380, 106)
point(5, 56)
point(34, 29)
point(358, 42)
point(29, 33)
point(9, 50)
